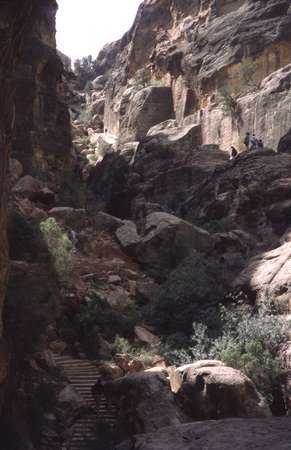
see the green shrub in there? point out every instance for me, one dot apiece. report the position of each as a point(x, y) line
point(227, 99)
point(142, 79)
point(97, 319)
point(247, 72)
point(249, 341)
point(122, 345)
point(58, 245)
point(191, 293)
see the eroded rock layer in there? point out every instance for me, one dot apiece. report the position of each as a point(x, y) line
point(197, 48)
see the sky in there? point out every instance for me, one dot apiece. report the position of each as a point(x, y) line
point(85, 26)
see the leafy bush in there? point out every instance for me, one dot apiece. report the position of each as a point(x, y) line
point(143, 79)
point(243, 81)
point(247, 71)
point(97, 319)
point(227, 99)
point(122, 345)
point(191, 293)
point(249, 341)
point(58, 245)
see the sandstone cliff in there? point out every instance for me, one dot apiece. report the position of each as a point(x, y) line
point(150, 230)
point(42, 125)
point(197, 48)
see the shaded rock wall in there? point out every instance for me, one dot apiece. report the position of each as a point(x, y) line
point(9, 47)
point(42, 127)
point(29, 106)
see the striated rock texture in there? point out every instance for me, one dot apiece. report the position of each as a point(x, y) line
point(12, 30)
point(195, 48)
point(219, 434)
point(29, 108)
point(42, 138)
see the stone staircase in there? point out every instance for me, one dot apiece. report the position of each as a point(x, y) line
point(82, 374)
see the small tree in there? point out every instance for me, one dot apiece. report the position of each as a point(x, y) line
point(142, 78)
point(58, 245)
point(247, 72)
point(249, 341)
point(227, 99)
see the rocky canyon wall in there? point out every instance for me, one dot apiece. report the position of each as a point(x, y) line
point(196, 48)
point(34, 125)
point(42, 127)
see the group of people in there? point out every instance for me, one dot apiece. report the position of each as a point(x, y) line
point(251, 143)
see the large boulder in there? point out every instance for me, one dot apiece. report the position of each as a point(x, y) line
point(145, 401)
point(176, 139)
point(106, 222)
point(238, 196)
point(167, 240)
point(127, 235)
point(268, 275)
point(210, 390)
point(259, 434)
point(149, 107)
point(69, 217)
point(284, 145)
point(33, 189)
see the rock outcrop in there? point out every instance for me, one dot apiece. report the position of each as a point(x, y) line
point(227, 434)
point(31, 113)
point(10, 44)
point(195, 49)
point(268, 276)
point(143, 399)
point(42, 137)
point(210, 390)
point(167, 240)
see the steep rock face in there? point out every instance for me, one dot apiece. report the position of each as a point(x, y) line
point(265, 111)
point(28, 101)
point(8, 53)
point(142, 399)
point(196, 48)
point(160, 171)
point(42, 125)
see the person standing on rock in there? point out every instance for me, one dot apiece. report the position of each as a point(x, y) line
point(260, 144)
point(233, 152)
point(253, 142)
point(247, 140)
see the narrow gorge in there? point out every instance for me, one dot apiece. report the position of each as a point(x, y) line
point(145, 230)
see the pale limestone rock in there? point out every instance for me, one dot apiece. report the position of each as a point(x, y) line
point(127, 235)
point(215, 391)
point(167, 240)
point(146, 336)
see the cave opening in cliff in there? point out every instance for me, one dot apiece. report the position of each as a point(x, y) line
point(83, 28)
